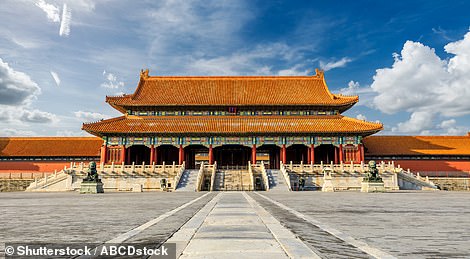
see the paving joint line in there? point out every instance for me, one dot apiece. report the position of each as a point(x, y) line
point(133, 232)
point(289, 242)
point(186, 232)
point(375, 252)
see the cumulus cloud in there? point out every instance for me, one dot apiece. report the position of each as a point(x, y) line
point(422, 83)
point(51, 10)
point(361, 117)
point(56, 78)
point(64, 29)
point(17, 91)
point(334, 64)
point(10, 132)
point(418, 123)
point(365, 93)
point(90, 116)
point(16, 88)
point(111, 81)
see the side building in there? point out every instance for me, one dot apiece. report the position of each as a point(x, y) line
point(231, 120)
point(35, 156)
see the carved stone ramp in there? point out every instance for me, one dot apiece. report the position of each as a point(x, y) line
point(234, 225)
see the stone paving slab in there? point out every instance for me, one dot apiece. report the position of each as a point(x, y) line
point(71, 217)
point(405, 224)
point(249, 232)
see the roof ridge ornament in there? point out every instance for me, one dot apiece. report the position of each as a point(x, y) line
point(144, 74)
point(320, 73)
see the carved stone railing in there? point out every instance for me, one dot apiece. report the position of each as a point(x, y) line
point(200, 177)
point(214, 170)
point(250, 174)
point(262, 170)
point(178, 175)
point(285, 175)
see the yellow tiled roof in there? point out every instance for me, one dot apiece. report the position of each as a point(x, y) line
point(232, 125)
point(417, 145)
point(232, 90)
point(50, 146)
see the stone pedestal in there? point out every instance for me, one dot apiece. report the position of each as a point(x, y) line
point(91, 187)
point(372, 187)
point(327, 184)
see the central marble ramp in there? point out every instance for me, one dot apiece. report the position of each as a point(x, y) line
point(233, 225)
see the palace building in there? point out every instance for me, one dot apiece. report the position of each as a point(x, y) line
point(231, 120)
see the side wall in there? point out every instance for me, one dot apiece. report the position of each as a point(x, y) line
point(435, 167)
point(35, 166)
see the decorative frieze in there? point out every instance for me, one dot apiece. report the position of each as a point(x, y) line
point(235, 140)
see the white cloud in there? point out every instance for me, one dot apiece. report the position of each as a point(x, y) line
point(334, 64)
point(10, 132)
point(56, 78)
point(64, 29)
point(361, 117)
point(37, 116)
point(90, 116)
point(247, 62)
point(296, 70)
point(450, 127)
point(16, 88)
point(51, 10)
point(418, 122)
point(365, 93)
point(111, 81)
point(422, 83)
point(17, 91)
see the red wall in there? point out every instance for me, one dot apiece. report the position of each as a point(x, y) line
point(433, 165)
point(32, 166)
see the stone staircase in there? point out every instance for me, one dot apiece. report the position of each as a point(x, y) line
point(232, 180)
point(219, 181)
point(276, 181)
point(188, 181)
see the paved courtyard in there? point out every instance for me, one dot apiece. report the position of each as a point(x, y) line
point(250, 225)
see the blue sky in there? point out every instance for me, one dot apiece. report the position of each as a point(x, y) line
point(409, 61)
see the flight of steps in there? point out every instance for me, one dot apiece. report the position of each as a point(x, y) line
point(276, 181)
point(219, 181)
point(188, 181)
point(232, 180)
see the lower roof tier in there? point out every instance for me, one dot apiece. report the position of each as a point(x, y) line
point(214, 125)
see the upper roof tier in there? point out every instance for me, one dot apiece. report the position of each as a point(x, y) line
point(232, 91)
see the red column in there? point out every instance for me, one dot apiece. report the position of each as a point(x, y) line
point(155, 155)
point(341, 153)
point(253, 154)
point(308, 155)
point(361, 150)
point(123, 154)
point(336, 155)
point(312, 153)
point(103, 154)
point(211, 155)
point(152, 154)
point(181, 155)
point(128, 156)
point(283, 151)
